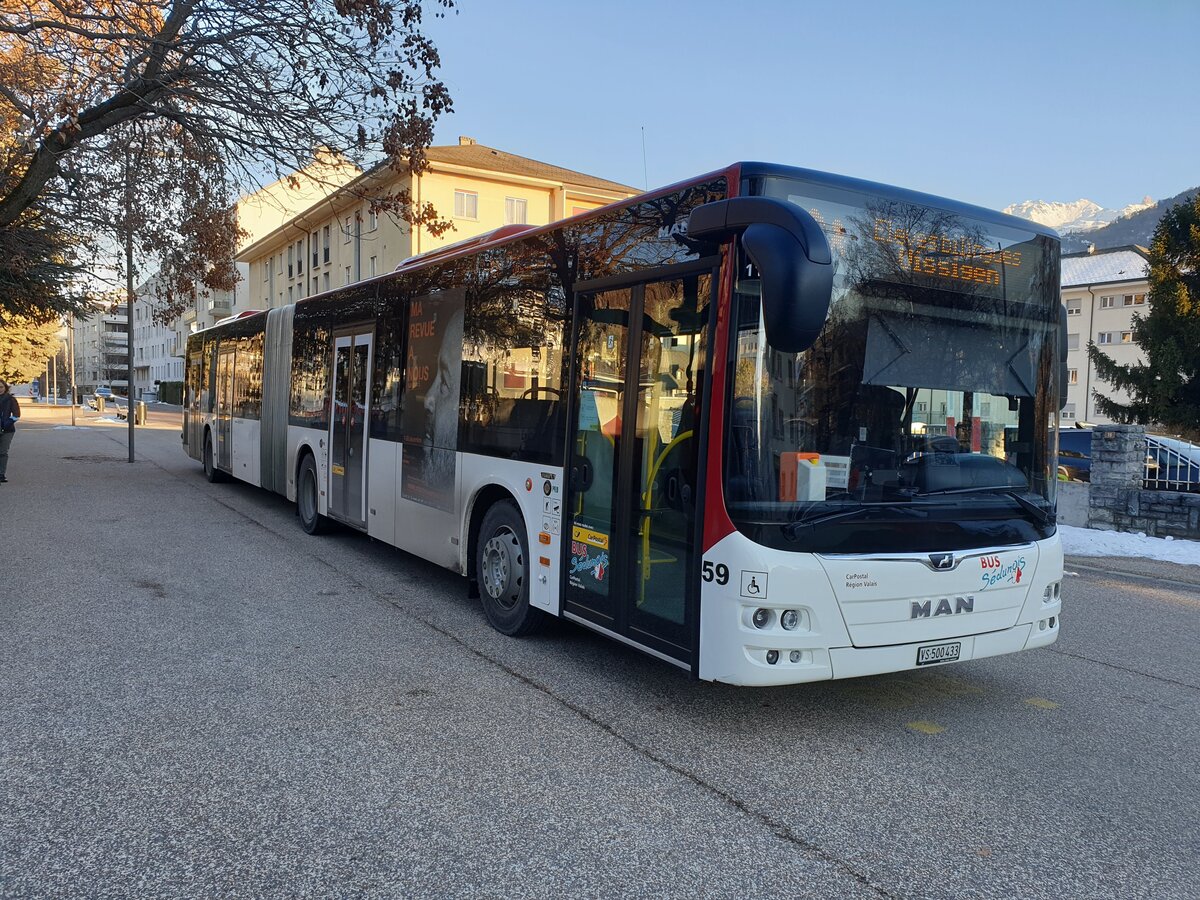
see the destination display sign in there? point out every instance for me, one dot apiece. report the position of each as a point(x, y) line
point(884, 239)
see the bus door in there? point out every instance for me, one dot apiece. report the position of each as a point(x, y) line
point(225, 409)
point(640, 358)
point(348, 427)
point(193, 420)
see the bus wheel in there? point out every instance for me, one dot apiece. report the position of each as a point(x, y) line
point(502, 571)
point(211, 472)
point(308, 502)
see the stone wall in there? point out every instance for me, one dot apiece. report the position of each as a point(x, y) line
point(1116, 499)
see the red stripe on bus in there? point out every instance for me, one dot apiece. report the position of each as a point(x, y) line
point(717, 523)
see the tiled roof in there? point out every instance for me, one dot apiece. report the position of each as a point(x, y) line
point(1103, 266)
point(480, 157)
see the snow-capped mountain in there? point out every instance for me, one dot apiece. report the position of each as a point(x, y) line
point(1077, 215)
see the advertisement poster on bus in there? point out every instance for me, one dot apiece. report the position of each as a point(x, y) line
point(429, 420)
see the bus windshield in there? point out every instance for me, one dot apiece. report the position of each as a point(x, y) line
point(922, 417)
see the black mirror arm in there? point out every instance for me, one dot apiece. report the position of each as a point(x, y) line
point(793, 258)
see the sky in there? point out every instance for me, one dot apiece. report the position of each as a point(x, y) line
point(982, 102)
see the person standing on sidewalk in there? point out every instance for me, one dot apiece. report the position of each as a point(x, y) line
point(10, 411)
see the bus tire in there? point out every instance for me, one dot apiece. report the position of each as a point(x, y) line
point(503, 572)
point(308, 498)
point(211, 472)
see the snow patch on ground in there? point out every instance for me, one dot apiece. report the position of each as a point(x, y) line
point(68, 427)
point(1091, 542)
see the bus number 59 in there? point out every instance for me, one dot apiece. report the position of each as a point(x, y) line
point(720, 572)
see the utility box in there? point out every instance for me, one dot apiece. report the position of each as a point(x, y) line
point(139, 413)
point(801, 476)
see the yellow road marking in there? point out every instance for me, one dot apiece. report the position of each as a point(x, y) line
point(1041, 704)
point(925, 727)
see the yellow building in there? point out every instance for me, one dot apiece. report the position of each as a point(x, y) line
point(259, 214)
point(339, 240)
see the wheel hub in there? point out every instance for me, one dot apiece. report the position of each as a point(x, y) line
point(502, 570)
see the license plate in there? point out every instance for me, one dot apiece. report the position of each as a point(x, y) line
point(938, 653)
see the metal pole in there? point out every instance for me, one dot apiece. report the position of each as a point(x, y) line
point(129, 299)
point(54, 375)
point(71, 364)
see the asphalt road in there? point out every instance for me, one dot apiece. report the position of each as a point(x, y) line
point(196, 698)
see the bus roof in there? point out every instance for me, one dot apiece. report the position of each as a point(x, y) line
point(735, 172)
point(967, 210)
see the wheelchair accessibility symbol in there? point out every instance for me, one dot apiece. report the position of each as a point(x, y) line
point(754, 585)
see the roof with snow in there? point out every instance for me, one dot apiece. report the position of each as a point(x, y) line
point(1104, 266)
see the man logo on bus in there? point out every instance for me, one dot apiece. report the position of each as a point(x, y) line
point(926, 610)
point(942, 561)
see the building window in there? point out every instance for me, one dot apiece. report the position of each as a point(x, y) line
point(514, 211)
point(1107, 302)
point(1072, 342)
point(291, 261)
point(1073, 307)
point(373, 266)
point(300, 257)
point(1073, 376)
point(325, 277)
point(314, 247)
point(290, 295)
point(348, 230)
point(1068, 411)
point(1139, 299)
point(466, 205)
point(316, 286)
point(347, 281)
point(1105, 337)
point(324, 247)
point(1126, 337)
point(372, 219)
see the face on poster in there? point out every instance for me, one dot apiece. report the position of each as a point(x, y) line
point(430, 416)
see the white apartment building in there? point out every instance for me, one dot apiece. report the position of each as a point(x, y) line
point(157, 355)
point(1101, 290)
point(102, 349)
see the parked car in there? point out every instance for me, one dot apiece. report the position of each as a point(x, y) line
point(103, 391)
point(1075, 454)
point(1170, 463)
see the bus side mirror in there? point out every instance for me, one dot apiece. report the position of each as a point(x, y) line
point(792, 256)
point(1063, 374)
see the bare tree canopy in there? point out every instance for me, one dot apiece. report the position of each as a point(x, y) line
point(250, 89)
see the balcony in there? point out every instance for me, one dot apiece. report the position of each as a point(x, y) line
point(219, 306)
point(189, 315)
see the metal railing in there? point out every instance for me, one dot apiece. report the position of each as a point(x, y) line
point(1170, 469)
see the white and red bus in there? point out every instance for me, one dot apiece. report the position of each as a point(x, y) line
point(769, 425)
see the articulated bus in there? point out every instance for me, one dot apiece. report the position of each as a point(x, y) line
point(769, 425)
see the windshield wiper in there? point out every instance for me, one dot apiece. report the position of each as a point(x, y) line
point(1040, 513)
point(792, 529)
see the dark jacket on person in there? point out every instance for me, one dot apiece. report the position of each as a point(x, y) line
point(9, 410)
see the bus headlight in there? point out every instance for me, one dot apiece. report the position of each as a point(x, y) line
point(761, 618)
point(772, 657)
point(789, 619)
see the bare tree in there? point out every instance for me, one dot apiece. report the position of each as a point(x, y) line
point(248, 90)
